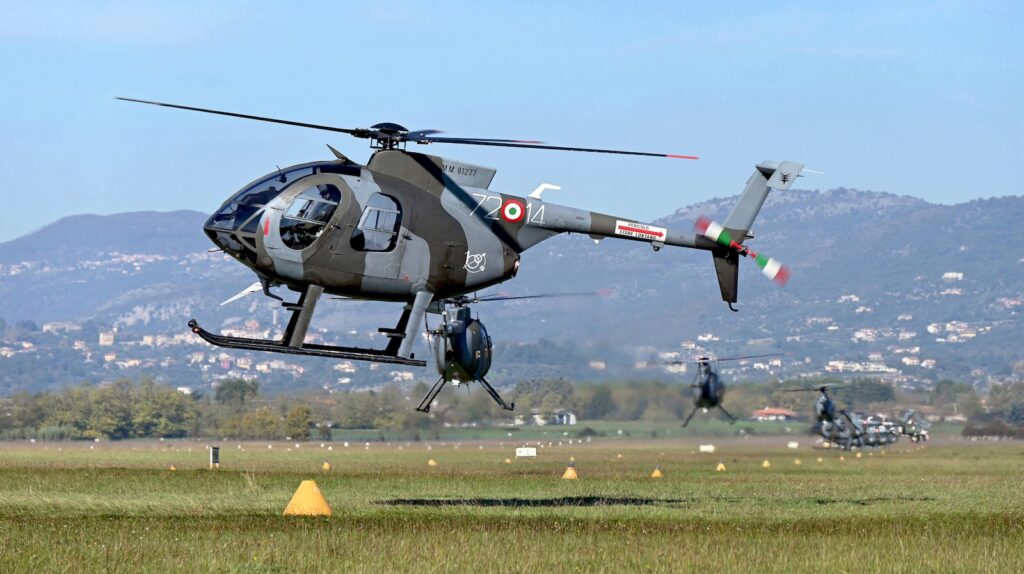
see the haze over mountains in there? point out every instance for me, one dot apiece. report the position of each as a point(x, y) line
point(877, 278)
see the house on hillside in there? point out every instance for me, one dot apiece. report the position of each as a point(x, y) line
point(773, 414)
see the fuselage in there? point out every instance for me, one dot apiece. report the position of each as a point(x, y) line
point(404, 222)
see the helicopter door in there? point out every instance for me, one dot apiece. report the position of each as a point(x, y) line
point(379, 235)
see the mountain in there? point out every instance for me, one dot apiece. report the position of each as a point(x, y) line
point(874, 275)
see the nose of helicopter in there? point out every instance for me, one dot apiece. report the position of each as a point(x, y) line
point(233, 228)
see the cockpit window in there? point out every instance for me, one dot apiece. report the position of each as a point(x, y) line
point(378, 225)
point(247, 202)
point(308, 214)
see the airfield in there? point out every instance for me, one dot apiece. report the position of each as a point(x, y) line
point(949, 505)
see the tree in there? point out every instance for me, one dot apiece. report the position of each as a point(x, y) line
point(111, 415)
point(863, 392)
point(601, 404)
point(262, 423)
point(236, 391)
point(162, 411)
point(298, 421)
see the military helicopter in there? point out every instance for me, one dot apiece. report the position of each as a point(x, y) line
point(913, 427)
point(426, 232)
point(710, 390)
point(836, 425)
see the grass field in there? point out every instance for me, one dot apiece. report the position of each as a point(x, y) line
point(949, 506)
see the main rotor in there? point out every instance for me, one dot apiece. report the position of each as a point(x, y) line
point(389, 135)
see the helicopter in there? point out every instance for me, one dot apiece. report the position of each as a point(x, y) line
point(836, 425)
point(913, 427)
point(710, 390)
point(427, 231)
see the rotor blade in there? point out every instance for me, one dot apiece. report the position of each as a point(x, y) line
point(257, 286)
point(423, 136)
point(816, 389)
point(709, 360)
point(749, 357)
point(489, 298)
point(534, 145)
point(770, 267)
point(357, 132)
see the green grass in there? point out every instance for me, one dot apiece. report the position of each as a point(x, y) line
point(116, 507)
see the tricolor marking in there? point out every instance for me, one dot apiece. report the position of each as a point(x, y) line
point(770, 267)
point(513, 211)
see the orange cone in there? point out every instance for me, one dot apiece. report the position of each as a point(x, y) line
point(308, 501)
point(570, 472)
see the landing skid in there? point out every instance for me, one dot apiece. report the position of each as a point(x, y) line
point(310, 350)
point(293, 342)
point(431, 395)
point(428, 399)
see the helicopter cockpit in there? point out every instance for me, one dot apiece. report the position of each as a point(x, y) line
point(235, 225)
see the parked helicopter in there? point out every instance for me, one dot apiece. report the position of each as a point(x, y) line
point(836, 425)
point(913, 427)
point(710, 390)
point(426, 231)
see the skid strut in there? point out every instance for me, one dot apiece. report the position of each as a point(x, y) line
point(293, 342)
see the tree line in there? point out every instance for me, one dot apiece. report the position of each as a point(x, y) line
point(236, 409)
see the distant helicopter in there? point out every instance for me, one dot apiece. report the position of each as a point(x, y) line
point(837, 426)
point(913, 427)
point(426, 231)
point(710, 390)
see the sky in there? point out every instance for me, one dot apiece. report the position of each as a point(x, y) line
point(914, 98)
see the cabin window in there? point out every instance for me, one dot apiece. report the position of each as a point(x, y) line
point(308, 214)
point(378, 225)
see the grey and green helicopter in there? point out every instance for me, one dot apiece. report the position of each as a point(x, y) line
point(708, 387)
point(427, 232)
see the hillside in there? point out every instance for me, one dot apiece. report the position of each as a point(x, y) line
point(867, 267)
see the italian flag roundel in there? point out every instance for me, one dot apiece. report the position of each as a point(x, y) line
point(513, 211)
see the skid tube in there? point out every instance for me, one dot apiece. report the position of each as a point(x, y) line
point(309, 350)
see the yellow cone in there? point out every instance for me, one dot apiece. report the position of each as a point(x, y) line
point(841, 458)
point(766, 464)
point(570, 472)
point(720, 467)
point(508, 461)
point(858, 455)
point(308, 501)
point(431, 462)
point(819, 459)
point(657, 472)
point(619, 455)
point(797, 462)
point(327, 466)
point(173, 467)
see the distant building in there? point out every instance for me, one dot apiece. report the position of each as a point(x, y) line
point(773, 414)
point(61, 327)
point(952, 276)
point(106, 339)
point(564, 417)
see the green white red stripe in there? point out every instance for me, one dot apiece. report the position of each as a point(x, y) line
point(770, 267)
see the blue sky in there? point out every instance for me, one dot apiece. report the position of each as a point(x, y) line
point(918, 98)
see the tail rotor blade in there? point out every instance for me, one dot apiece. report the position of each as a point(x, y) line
point(770, 267)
